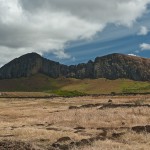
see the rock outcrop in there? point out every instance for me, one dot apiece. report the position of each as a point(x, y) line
point(111, 66)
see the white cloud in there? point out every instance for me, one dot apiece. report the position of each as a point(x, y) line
point(132, 55)
point(47, 25)
point(143, 30)
point(144, 46)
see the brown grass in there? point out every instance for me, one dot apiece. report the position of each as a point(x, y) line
point(44, 121)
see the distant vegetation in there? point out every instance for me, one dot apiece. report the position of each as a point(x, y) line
point(67, 93)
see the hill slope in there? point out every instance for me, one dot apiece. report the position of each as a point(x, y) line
point(43, 83)
point(111, 66)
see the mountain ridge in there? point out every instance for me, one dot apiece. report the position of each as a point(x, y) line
point(112, 66)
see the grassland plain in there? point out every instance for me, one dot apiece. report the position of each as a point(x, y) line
point(77, 123)
point(42, 83)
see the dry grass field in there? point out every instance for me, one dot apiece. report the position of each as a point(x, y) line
point(78, 123)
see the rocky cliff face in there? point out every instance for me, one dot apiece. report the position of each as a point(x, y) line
point(122, 66)
point(28, 65)
point(112, 66)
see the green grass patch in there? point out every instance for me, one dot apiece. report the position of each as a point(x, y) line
point(135, 87)
point(67, 93)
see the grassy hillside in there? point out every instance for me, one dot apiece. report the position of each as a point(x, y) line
point(105, 86)
point(42, 83)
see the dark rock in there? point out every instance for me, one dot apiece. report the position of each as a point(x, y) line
point(93, 139)
point(88, 106)
point(123, 123)
point(55, 129)
point(104, 133)
point(110, 101)
point(13, 145)
point(110, 105)
point(55, 145)
point(72, 143)
point(79, 128)
point(73, 107)
point(63, 139)
point(139, 129)
point(39, 124)
point(117, 135)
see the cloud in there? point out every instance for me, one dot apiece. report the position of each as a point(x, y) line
point(48, 25)
point(132, 55)
point(144, 46)
point(102, 12)
point(143, 30)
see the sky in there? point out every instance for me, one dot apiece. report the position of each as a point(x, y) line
point(74, 31)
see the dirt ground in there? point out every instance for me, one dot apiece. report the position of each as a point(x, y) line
point(79, 123)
